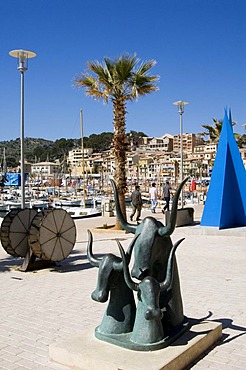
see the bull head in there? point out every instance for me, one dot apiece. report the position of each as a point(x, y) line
point(149, 288)
point(162, 230)
point(107, 264)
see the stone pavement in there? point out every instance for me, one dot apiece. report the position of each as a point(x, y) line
point(40, 307)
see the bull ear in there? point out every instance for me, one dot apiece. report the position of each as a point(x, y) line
point(168, 230)
point(169, 274)
point(129, 282)
point(124, 224)
point(94, 261)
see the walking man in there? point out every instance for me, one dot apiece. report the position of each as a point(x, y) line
point(137, 203)
point(166, 196)
point(153, 197)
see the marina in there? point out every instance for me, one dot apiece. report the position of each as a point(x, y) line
point(77, 206)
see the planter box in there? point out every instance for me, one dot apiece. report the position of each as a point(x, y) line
point(185, 216)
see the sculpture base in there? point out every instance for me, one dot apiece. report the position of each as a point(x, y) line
point(124, 340)
point(88, 353)
point(185, 216)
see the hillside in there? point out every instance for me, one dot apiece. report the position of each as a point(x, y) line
point(31, 145)
point(38, 150)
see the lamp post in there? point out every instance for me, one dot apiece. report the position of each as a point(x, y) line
point(180, 104)
point(22, 56)
point(83, 154)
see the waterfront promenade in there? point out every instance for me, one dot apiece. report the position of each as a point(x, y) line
point(51, 305)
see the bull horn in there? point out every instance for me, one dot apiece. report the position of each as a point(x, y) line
point(94, 261)
point(168, 230)
point(124, 224)
point(118, 266)
point(129, 282)
point(169, 274)
point(130, 248)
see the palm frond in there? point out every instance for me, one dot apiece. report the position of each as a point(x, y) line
point(101, 72)
point(124, 67)
point(145, 67)
point(87, 81)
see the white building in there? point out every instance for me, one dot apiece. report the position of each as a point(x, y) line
point(75, 161)
point(45, 169)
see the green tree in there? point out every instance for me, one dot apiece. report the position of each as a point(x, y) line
point(135, 137)
point(40, 153)
point(213, 132)
point(12, 162)
point(241, 141)
point(100, 142)
point(61, 147)
point(120, 80)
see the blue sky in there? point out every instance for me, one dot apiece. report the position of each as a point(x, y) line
point(199, 46)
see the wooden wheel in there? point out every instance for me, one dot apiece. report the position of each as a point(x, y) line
point(52, 235)
point(15, 230)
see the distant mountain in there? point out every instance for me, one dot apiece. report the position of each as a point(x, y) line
point(32, 147)
point(40, 150)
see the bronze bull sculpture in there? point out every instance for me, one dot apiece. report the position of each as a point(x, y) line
point(152, 246)
point(156, 268)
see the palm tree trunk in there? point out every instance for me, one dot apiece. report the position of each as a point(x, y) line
point(120, 147)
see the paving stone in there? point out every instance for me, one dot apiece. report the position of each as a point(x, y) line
point(8, 365)
point(47, 306)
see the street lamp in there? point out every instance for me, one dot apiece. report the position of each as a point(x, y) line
point(22, 56)
point(83, 154)
point(180, 104)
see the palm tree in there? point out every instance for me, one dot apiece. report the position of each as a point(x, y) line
point(120, 80)
point(241, 141)
point(213, 132)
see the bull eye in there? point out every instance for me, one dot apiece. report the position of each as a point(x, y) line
point(148, 314)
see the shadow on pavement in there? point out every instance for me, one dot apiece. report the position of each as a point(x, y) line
point(74, 262)
point(226, 338)
point(71, 264)
point(10, 263)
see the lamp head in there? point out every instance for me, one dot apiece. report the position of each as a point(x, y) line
point(22, 56)
point(180, 104)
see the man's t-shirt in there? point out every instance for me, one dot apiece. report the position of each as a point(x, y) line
point(166, 191)
point(153, 193)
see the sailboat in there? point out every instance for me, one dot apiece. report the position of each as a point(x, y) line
point(82, 211)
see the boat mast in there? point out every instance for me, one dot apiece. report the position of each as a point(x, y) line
point(4, 162)
point(83, 157)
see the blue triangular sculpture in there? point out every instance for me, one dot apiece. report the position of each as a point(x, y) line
point(225, 205)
